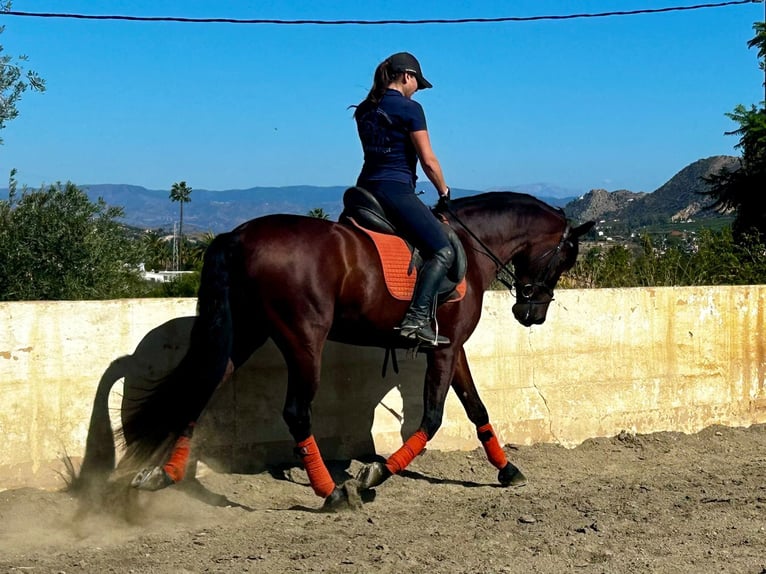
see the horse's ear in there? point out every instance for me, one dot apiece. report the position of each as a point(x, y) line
point(581, 230)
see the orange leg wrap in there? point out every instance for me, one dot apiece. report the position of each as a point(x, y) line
point(179, 456)
point(319, 476)
point(495, 453)
point(176, 465)
point(398, 461)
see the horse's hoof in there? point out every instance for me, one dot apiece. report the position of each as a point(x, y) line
point(509, 475)
point(343, 497)
point(372, 475)
point(335, 501)
point(154, 478)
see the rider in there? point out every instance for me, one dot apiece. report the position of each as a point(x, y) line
point(393, 132)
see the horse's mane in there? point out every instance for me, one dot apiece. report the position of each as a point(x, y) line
point(499, 201)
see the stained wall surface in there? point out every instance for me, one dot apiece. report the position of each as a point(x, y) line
point(641, 360)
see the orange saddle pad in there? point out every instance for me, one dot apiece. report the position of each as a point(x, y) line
point(395, 258)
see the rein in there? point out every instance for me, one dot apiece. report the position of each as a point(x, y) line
point(524, 291)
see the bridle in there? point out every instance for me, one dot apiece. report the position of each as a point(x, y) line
point(527, 290)
point(524, 292)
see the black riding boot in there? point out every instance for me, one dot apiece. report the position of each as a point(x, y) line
point(417, 322)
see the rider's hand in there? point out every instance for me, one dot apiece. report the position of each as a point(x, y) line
point(444, 200)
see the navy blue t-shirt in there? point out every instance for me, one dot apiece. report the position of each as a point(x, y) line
point(384, 131)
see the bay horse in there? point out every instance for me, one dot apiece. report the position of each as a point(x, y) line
point(302, 281)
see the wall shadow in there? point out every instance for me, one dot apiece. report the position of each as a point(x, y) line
point(242, 430)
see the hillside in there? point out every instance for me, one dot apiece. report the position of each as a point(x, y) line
point(599, 204)
point(679, 199)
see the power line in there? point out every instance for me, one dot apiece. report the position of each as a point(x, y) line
point(375, 22)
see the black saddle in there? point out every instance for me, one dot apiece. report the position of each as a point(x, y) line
point(366, 211)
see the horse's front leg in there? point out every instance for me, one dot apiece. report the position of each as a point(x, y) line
point(441, 365)
point(463, 385)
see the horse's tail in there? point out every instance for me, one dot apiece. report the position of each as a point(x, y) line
point(152, 421)
point(98, 461)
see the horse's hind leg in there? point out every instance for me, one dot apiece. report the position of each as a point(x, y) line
point(177, 461)
point(303, 371)
point(174, 469)
point(464, 387)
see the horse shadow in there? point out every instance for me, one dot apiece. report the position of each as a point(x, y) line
point(241, 430)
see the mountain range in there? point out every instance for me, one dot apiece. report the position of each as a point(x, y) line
point(218, 211)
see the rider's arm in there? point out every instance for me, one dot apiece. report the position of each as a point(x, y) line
point(428, 161)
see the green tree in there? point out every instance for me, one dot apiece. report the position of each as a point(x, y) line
point(157, 255)
point(720, 260)
point(181, 193)
point(197, 251)
point(742, 190)
point(14, 80)
point(319, 213)
point(710, 258)
point(185, 285)
point(56, 244)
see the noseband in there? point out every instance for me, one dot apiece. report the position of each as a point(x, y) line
point(523, 292)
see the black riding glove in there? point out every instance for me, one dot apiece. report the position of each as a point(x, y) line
point(444, 201)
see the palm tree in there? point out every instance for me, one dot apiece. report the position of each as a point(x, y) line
point(741, 189)
point(197, 254)
point(156, 251)
point(181, 193)
point(759, 41)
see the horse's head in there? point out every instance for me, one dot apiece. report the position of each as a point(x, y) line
point(505, 226)
point(538, 270)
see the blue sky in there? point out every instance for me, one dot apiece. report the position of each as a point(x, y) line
point(615, 102)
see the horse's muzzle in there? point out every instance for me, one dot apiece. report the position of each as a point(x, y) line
point(530, 313)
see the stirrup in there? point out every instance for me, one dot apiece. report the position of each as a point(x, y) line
point(408, 328)
point(427, 340)
point(424, 335)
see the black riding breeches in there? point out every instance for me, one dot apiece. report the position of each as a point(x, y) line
point(412, 218)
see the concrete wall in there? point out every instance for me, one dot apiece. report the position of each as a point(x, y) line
point(643, 360)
